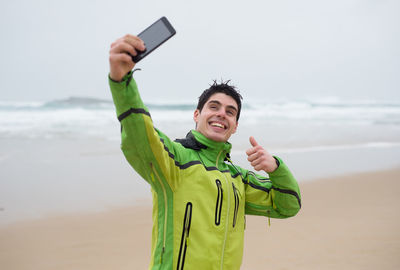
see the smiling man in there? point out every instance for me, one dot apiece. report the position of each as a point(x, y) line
point(200, 197)
point(217, 119)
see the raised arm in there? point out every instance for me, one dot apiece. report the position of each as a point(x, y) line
point(149, 152)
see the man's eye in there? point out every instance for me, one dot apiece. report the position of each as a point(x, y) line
point(231, 113)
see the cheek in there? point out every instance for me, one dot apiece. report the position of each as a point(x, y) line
point(203, 117)
point(201, 120)
point(234, 126)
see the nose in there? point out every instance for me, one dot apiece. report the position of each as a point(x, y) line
point(221, 113)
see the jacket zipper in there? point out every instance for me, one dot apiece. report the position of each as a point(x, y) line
point(185, 236)
point(236, 205)
point(218, 206)
point(227, 213)
point(226, 226)
point(165, 209)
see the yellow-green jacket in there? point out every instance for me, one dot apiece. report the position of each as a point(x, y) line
point(199, 201)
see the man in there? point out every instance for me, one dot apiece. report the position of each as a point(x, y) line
point(199, 199)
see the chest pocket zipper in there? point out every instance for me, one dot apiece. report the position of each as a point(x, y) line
point(218, 206)
point(185, 236)
point(235, 192)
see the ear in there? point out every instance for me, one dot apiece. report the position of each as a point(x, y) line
point(196, 115)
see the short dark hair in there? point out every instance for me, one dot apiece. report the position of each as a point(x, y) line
point(224, 88)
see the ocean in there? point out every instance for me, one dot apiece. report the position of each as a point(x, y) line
point(63, 155)
point(289, 123)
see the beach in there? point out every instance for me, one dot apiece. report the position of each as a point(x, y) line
point(320, 90)
point(70, 200)
point(351, 222)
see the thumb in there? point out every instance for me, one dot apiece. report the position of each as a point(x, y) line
point(253, 141)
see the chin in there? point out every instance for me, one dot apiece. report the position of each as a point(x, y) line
point(217, 137)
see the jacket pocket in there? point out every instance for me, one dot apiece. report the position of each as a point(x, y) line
point(218, 206)
point(185, 235)
point(236, 195)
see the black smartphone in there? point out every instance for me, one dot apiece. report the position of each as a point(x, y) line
point(153, 36)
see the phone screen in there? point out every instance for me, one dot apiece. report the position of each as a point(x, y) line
point(155, 35)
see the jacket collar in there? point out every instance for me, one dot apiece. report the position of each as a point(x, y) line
point(213, 150)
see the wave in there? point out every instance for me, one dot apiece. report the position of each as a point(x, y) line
point(97, 103)
point(87, 115)
point(67, 103)
point(316, 103)
point(89, 103)
point(78, 102)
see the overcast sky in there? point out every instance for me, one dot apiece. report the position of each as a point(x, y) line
point(269, 49)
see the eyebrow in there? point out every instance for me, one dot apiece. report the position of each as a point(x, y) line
point(219, 103)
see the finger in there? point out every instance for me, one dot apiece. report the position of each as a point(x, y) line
point(132, 37)
point(256, 165)
point(252, 157)
point(254, 149)
point(123, 48)
point(129, 40)
point(122, 57)
point(260, 164)
point(135, 42)
point(253, 141)
point(251, 151)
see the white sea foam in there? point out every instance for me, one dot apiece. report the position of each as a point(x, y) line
point(87, 117)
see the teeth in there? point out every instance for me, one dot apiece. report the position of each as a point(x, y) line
point(217, 125)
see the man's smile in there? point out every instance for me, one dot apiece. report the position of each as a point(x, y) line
point(218, 124)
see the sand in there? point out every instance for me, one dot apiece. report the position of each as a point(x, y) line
point(351, 222)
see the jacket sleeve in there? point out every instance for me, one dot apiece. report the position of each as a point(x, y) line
point(276, 197)
point(148, 151)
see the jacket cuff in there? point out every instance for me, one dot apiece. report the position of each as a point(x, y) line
point(277, 162)
point(281, 166)
point(125, 79)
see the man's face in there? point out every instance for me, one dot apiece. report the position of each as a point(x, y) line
point(217, 120)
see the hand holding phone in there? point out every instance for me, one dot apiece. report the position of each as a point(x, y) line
point(153, 36)
point(130, 48)
point(120, 57)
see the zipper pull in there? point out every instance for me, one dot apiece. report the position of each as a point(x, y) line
point(269, 222)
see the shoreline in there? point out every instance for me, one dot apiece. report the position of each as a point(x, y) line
point(349, 222)
point(40, 177)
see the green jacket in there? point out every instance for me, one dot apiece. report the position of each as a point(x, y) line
point(199, 200)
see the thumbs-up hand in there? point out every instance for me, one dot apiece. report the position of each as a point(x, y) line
point(259, 158)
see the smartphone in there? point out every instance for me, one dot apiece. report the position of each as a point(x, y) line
point(153, 36)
